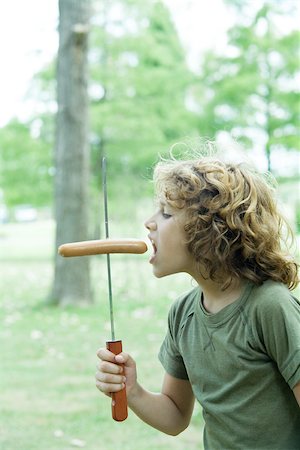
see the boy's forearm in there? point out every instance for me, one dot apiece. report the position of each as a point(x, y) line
point(157, 410)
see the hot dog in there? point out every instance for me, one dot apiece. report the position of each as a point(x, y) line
point(102, 246)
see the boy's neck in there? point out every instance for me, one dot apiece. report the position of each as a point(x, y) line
point(214, 299)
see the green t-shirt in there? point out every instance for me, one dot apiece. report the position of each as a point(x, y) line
point(242, 363)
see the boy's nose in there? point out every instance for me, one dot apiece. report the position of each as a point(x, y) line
point(150, 224)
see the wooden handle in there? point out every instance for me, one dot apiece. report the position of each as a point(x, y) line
point(119, 400)
point(102, 246)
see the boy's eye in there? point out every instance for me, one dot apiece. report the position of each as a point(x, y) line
point(166, 215)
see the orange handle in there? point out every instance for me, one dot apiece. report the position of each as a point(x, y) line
point(119, 400)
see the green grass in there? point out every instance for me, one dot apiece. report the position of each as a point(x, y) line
point(48, 399)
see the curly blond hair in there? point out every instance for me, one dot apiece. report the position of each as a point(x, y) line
point(233, 226)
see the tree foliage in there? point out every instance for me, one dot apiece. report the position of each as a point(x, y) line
point(252, 91)
point(140, 92)
point(139, 80)
point(25, 172)
point(137, 87)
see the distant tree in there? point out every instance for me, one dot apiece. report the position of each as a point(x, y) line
point(72, 280)
point(139, 83)
point(253, 89)
point(25, 165)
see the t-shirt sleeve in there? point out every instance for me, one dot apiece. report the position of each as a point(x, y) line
point(280, 330)
point(169, 354)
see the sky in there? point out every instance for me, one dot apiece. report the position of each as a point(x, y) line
point(28, 40)
point(201, 25)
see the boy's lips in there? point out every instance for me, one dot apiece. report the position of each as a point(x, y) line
point(154, 249)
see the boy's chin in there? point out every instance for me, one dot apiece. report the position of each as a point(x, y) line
point(159, 274)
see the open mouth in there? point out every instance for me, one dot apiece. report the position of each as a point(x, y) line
point(154, 247)
point(154, 250)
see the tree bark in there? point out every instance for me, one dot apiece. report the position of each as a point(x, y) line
point(71, 275)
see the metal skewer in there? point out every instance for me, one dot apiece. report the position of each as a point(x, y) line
point(84, 248)
point(119, 399)
point(111, 311)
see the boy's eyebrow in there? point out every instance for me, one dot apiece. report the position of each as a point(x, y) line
point(164, 204)
point(160, 201)
point(171, 209)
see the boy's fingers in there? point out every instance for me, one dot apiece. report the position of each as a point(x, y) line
point(121, 358)
point(125, 358)
point(108, 388)
point(108, 367)
point(105, 355)
point(110, 378)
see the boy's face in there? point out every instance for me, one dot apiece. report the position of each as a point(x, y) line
point(168, 238)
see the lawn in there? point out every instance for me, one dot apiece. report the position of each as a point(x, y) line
point(48, 355)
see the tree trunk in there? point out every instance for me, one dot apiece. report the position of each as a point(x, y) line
point(72, 277)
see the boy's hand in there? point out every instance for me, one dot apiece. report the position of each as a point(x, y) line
point(110, 377)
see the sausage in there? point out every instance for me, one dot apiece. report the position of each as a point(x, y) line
point(103, 246)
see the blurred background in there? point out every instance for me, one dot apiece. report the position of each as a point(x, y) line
point(128, 79)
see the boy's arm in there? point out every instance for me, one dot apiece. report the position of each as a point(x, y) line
point(296, 391)
point(170, 411)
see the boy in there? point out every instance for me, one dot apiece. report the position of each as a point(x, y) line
point(233, 342)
